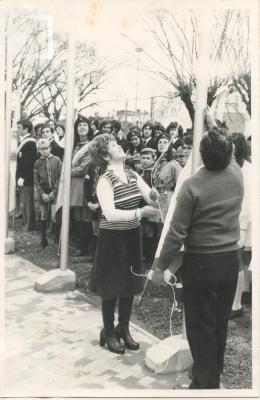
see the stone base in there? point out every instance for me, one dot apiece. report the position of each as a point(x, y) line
point(56, 281)
point(9, 245)
point(169, 355)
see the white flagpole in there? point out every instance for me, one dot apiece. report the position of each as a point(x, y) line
point(201, 102)
point(180, 346)
point(63, 279)
point(9, 69)
point(68, 149)
point(202, 81)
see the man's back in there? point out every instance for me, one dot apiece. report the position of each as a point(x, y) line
point(217, 198)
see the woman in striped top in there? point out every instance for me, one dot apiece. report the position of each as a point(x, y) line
point(119, 192)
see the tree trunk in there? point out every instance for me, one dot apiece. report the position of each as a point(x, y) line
point(46, 113)
point(185, 93)
point(248, 107)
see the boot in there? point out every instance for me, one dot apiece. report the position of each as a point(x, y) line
point(107, 335)
point(113, 344)
point(122, 329)
point(44, 241)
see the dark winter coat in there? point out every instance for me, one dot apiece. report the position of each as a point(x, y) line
point(151, 143)
point(26, 158)
point(57, 150)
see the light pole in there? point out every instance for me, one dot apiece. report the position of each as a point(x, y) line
point(138, 51)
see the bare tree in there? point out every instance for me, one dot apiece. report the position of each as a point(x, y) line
point(237, 51)
point(176, 37)
point(91, 73)
point(41, 79)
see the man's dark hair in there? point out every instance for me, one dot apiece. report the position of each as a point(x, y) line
point(49, 120)
point(105, 122)
point(26, 124)
point(116, 125)
point(45, 127)
point(188, 139)
point(174, 125)
point(95, 122)
point(38, 126)
point(59, 125)
point(216, 150)
point(159, 126)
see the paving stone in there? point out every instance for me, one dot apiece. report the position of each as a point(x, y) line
point(52, 344)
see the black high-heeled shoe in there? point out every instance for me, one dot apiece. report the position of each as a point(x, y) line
point(124, 334)
point(113, 344)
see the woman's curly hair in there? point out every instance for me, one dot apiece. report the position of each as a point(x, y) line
point(98, 150)
point(216, 149)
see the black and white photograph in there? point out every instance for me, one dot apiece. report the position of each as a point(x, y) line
point(130, 198)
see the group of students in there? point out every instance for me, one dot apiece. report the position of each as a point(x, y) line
point(121, 188)
point(156, 153)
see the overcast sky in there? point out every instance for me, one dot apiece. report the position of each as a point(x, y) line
point(102, 23)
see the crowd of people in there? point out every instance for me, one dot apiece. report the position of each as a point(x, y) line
point(155, 153)
point(121, 187)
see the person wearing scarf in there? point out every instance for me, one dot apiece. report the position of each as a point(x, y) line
point(47, 170)
point(26, 156)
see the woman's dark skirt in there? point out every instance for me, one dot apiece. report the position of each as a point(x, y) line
point(117, 251)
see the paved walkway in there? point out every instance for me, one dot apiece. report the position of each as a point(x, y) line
point(52, 345)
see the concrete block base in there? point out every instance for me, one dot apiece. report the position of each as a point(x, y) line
point(9, 245)
point(56, 281)
point(169, 355)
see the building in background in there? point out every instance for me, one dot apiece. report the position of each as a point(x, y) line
point(131, 117)
point(236, 115)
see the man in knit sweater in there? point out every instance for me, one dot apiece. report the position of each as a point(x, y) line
point(206, 221)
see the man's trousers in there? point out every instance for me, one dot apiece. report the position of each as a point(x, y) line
point(28, 207)
point(209, 285)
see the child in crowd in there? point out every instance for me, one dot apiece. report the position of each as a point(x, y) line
point(47, 170)
point(149, 228)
